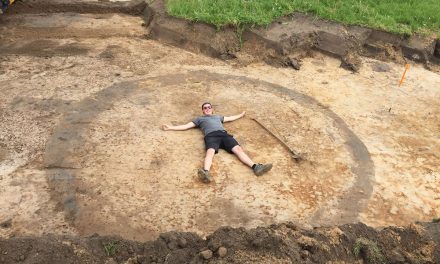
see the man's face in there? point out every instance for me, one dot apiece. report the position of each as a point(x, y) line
point(207, 109)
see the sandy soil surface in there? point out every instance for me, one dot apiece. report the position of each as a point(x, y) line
point(82, 151)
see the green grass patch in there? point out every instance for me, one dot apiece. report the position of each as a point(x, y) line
point(369, 251)
point(398, 16)
point(110, 248)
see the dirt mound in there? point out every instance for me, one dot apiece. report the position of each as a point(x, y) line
point(283, 243)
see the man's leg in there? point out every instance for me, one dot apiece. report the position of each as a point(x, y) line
point(208, 158)
point(259, 169)
point(204, 173)
point(239, 152)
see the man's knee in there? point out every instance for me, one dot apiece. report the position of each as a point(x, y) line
point(237, 149)
point(210, 152)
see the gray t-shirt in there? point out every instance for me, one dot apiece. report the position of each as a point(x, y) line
point(209, 123)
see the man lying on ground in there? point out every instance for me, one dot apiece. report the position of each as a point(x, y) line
point(216, 137)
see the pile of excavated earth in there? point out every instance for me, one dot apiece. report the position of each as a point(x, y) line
point(88, 176)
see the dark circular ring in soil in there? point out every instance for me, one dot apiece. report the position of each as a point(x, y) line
point(66, 141)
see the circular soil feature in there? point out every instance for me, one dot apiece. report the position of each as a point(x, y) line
point(116, 172)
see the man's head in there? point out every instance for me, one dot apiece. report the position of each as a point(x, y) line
point(207, 108)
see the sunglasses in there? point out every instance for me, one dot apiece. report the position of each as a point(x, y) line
point(207, 107)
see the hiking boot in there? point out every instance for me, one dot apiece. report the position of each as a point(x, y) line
point(204, 176)
point(261, 169)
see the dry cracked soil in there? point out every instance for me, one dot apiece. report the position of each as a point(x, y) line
point(82, 154)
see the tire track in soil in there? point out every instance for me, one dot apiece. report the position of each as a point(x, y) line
point(64, 145)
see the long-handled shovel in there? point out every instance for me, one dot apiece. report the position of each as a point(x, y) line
point(296, 156)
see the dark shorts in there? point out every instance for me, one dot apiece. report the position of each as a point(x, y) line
point(220, 140)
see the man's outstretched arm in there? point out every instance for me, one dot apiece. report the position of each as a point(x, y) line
point(176, 128)
point(235, 117)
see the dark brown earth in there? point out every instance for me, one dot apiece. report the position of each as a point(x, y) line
point(282, 243)
point(133, 7)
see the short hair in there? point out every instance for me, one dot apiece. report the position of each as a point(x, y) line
point(205, 103)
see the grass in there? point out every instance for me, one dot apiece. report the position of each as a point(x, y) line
point(369, 251)
point(398, 16)
point(110, 248)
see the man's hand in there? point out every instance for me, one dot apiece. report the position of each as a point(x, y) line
point(166, 127)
